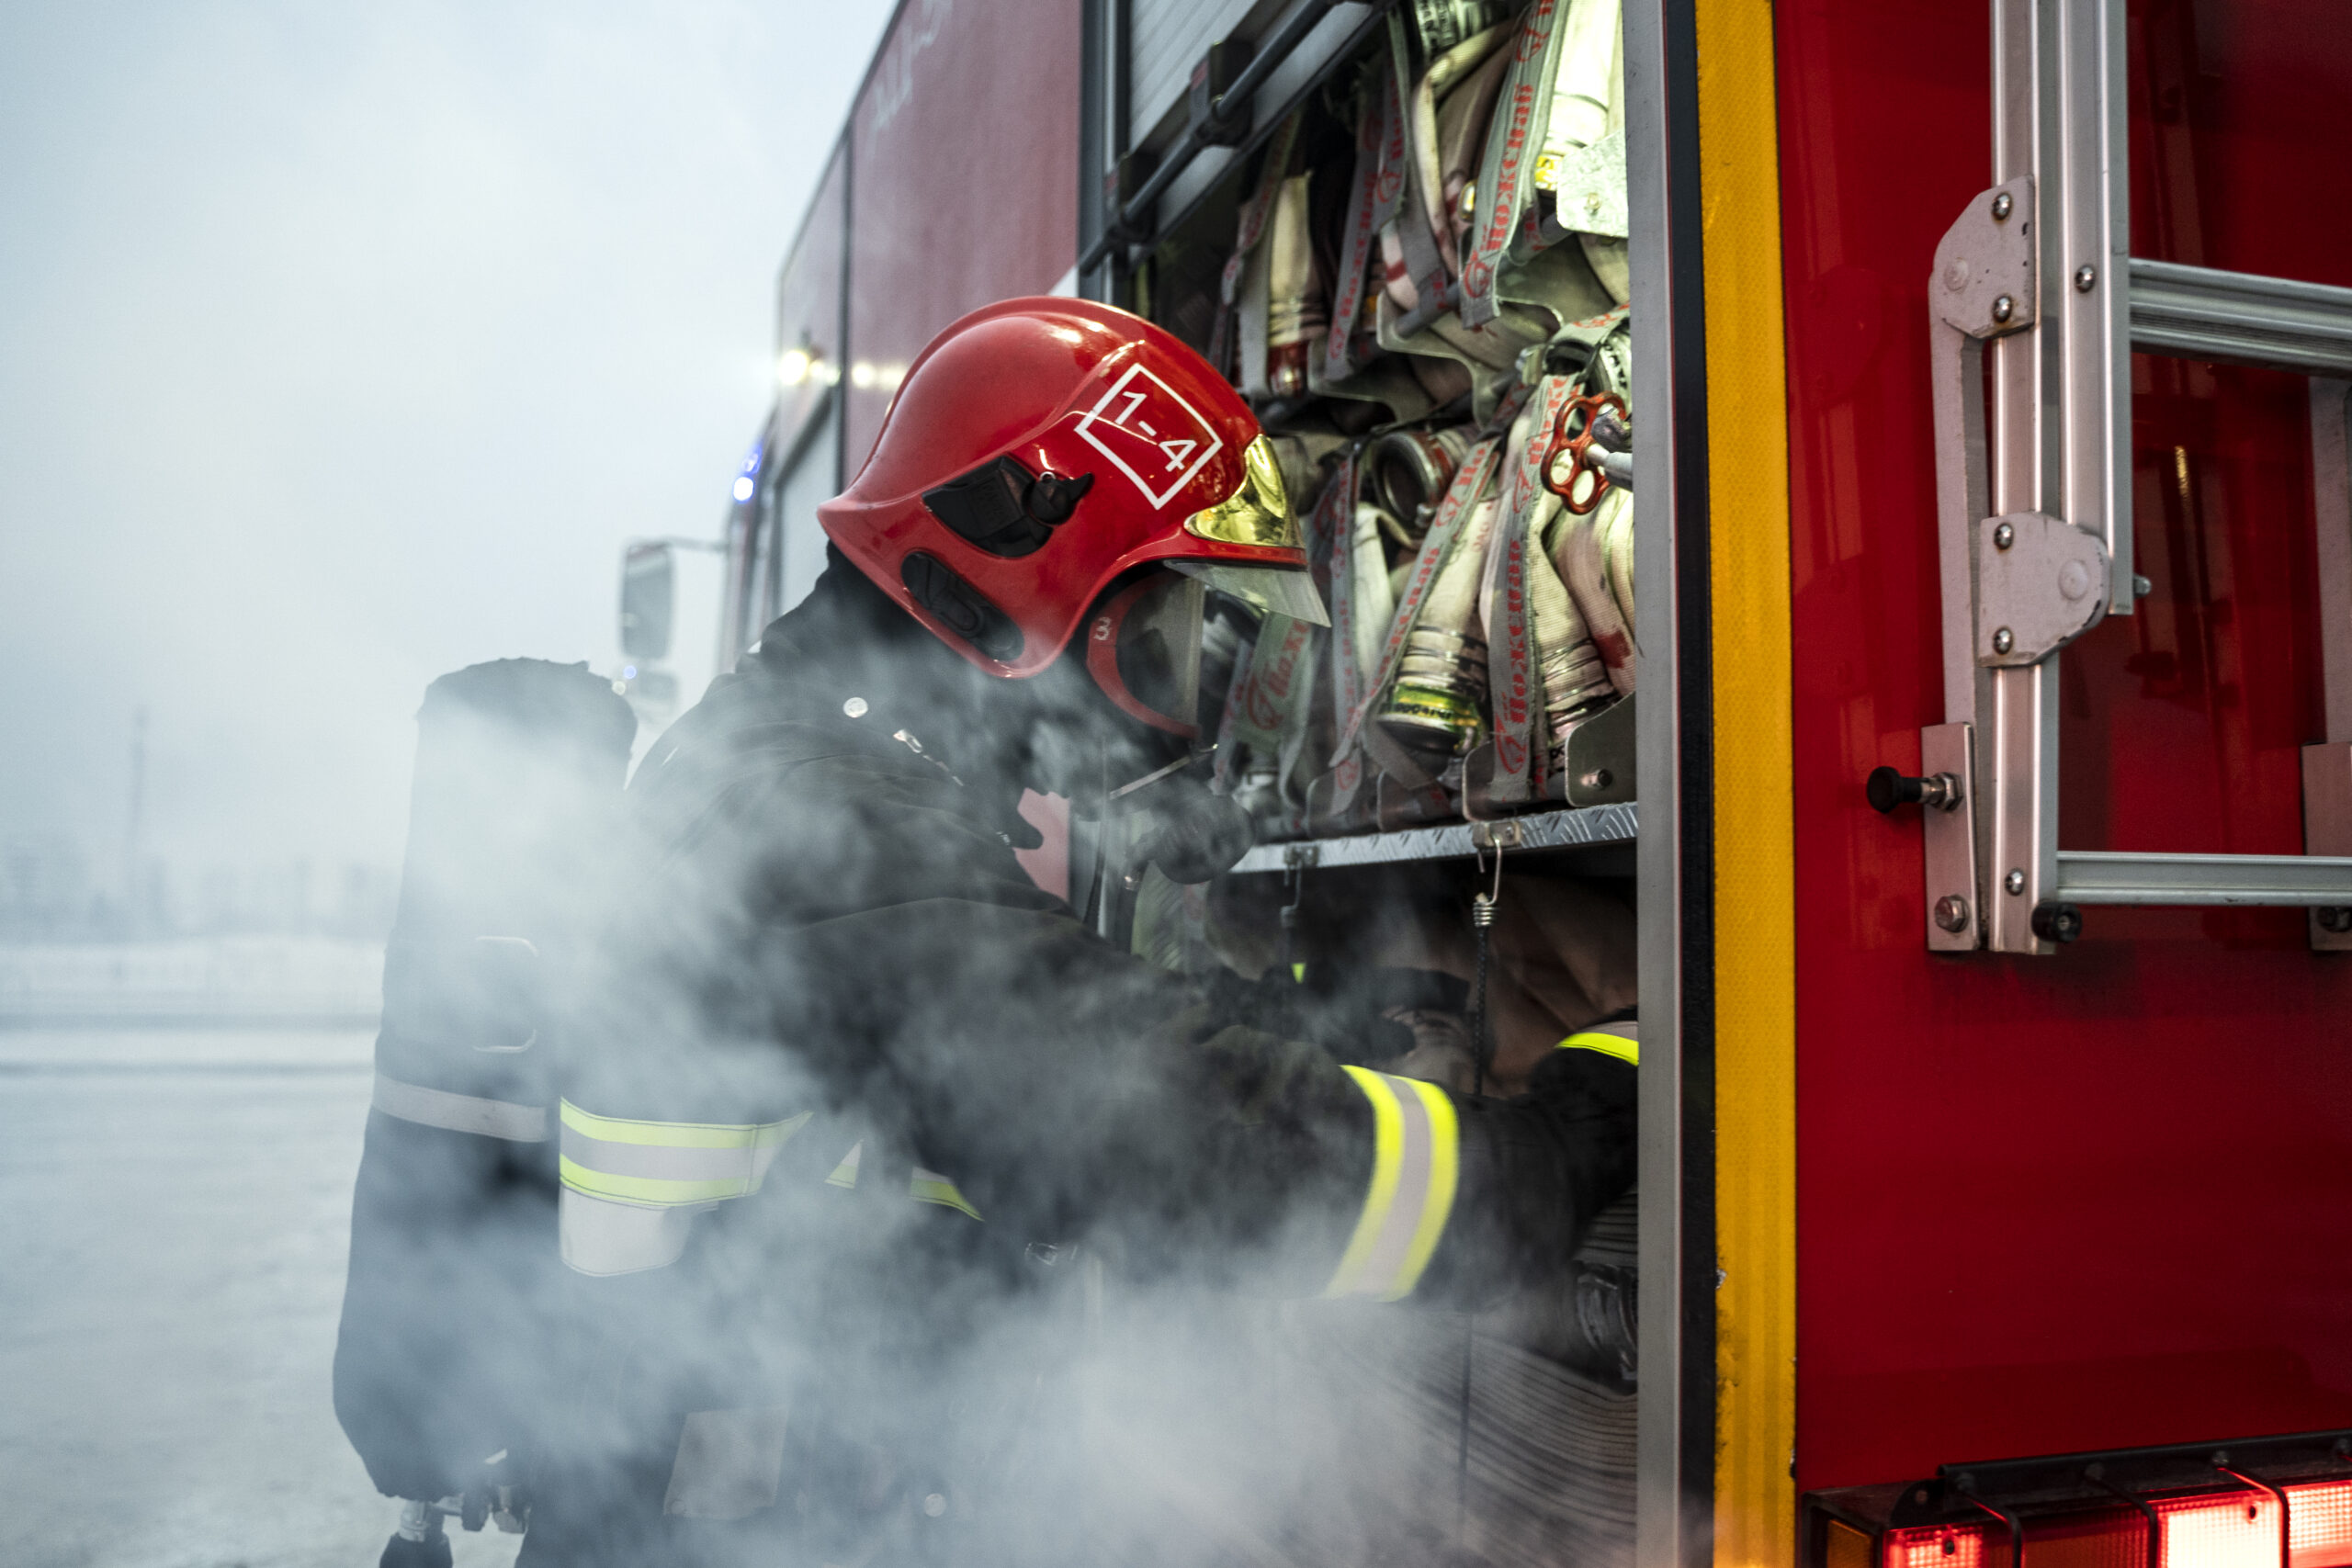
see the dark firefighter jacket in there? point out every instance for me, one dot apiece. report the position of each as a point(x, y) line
point(847, 1082)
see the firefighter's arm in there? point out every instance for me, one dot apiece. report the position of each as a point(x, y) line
point(1067, 1086)
point(1458, 1200)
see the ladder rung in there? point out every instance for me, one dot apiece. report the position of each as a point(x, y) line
point(2100, 877)
point(2199, 313)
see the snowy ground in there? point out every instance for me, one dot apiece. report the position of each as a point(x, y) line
point(173, 1210)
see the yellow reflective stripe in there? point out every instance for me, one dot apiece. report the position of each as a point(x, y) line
point(1387, 1142)
point(666, 1163)
point(1608, 1044)
point(681, 1134)
point(1416, 1168)
point(845, 1173)
point(930, 1187)
point(652, 1191)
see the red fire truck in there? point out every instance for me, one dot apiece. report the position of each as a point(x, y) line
point(1981, 371)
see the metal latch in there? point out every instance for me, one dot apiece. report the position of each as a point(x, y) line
point(1503, 833)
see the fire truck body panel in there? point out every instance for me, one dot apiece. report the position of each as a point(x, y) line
point(2103, 1199)
point(967, 104)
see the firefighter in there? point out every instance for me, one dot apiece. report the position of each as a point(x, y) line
point(846, 1085)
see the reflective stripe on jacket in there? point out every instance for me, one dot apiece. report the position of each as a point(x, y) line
point(1619, 1038)
point(631, 1187)
point(1415, 1164)
point(506, 1119)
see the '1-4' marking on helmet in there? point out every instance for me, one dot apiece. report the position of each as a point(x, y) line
point(1150, 418)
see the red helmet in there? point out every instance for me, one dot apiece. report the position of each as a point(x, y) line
point(1039, 450)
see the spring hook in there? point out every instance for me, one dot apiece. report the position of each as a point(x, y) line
point(1482, 920)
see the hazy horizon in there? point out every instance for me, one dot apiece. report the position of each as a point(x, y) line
point(343, 348)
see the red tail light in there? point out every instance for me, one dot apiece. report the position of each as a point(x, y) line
point(2235, 1529)
point(2319, 1525)
point(1940, 1546)
point(2213, 1505)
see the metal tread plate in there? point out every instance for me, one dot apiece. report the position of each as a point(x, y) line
point(1571, 827)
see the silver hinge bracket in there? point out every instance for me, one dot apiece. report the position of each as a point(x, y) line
point(2040, 584)
point(1955, 902)
point(1983, 280)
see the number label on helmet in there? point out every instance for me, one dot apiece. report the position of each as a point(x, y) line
point(1144, 427)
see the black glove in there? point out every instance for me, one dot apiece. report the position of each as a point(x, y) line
point(406, 1551)
point(1347, 1023)
point(1187, 831)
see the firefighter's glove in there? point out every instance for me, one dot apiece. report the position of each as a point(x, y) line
point(1190, 834)
point(1349, 1025)
point(1534, 1171)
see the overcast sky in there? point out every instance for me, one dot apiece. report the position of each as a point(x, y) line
point(342, 345)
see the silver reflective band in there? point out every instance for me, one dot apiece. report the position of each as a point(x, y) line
point(660, 1164)
point(1417, 1156)
point(460, 1112)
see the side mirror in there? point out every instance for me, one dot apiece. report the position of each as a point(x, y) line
point(649, 596)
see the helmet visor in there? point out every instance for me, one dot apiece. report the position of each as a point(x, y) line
point(1143, 648)
point(1267, 590)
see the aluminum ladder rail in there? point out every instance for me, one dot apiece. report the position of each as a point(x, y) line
point(2034, 497)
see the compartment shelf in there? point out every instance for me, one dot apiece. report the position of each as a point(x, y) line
point(1568, 828)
